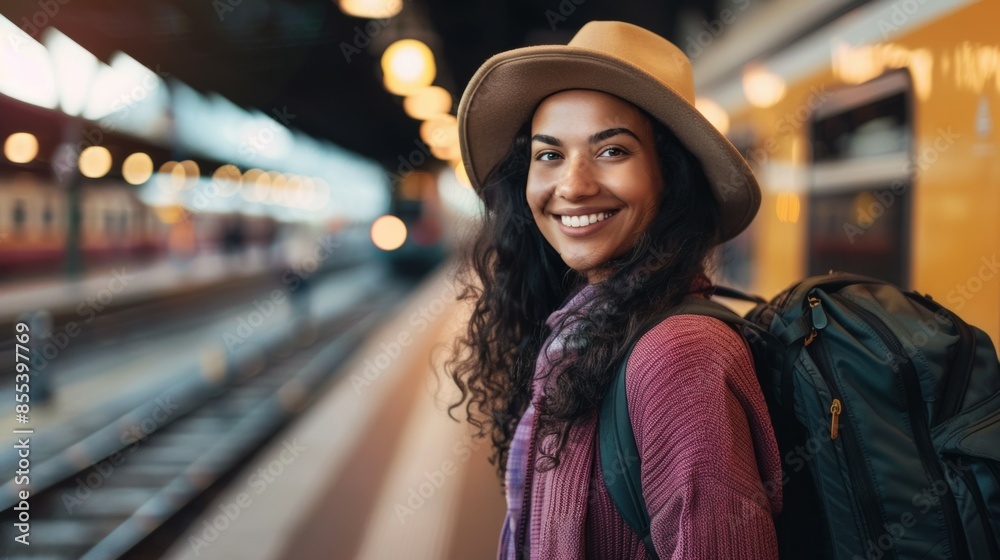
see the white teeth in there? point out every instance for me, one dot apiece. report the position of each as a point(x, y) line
point(581, 221)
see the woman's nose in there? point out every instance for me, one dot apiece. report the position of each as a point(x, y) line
point(577, 180)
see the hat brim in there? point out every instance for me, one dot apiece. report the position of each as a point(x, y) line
point(505, 91)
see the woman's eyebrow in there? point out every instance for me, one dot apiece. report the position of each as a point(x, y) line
point(605, 134)
point(546, 139)
point(594, 138)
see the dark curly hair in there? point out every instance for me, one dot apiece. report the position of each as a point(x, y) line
point(516, 280)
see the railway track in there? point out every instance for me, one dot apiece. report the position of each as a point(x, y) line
point(128, 319)
point(106, 495)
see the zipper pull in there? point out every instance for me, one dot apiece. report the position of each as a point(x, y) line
point(817, 318)
point(835, 418)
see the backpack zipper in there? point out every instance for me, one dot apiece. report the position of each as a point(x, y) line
point(835, 409)
point(921, 433)
point(867, 501)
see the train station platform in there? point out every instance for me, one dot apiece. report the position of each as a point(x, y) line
point(374, 469)
point(93, 387)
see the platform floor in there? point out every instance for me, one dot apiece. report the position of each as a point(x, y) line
point(375, 469)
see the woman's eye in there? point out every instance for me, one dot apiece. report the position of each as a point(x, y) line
point(613, 151)
point(545, 156)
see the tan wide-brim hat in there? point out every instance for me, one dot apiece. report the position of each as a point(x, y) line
point(616, 58)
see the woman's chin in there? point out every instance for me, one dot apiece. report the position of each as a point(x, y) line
point(592, 271)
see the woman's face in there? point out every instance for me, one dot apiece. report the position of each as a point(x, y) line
point(594, 181)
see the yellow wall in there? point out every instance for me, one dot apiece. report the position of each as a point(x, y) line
point(955, 64)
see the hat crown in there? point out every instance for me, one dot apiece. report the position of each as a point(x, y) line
point(642, 48)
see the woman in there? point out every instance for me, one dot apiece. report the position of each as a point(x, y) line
point(605, 193)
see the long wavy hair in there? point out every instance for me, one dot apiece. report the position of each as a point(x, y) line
point(515, 280)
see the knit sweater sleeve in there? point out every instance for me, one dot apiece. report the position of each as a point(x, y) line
point(695, 403)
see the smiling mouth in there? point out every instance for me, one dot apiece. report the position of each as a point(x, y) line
point(586, 219)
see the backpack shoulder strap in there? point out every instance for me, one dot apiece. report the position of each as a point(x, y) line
point(616, 440)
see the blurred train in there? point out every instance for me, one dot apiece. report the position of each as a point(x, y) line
point(871, 127)
point(116, 225)
point(33, 225)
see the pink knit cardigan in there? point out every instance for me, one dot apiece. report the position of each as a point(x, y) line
point(710, 469)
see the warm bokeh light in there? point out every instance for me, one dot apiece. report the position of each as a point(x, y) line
point(137, 168)
point(388, 233)
point(21, 147)
point(279, 183)
point(408, 65)
point(191, 173)
point(462, 175)
point(858, 64)
point(95, 162)
point(371, 8)
point(448, 153)
point(762, 87)
point(303, 194)
point(256, 185)
point(228, 179)
point(440, 132)
point(788, 208)
point(714, 113)
point(292, 190)
point(427, 103)
point(178, 177)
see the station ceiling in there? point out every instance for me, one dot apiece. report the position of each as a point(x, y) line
point(320, 68)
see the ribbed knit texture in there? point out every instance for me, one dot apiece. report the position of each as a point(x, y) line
point(706, 447)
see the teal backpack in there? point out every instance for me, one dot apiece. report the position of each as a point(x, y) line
point(886, 408)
